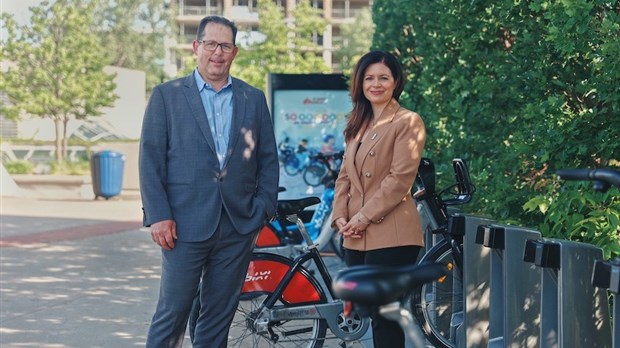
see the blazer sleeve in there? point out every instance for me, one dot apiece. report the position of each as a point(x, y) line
point(341, 198)
point(410, 137)
point(152, 161)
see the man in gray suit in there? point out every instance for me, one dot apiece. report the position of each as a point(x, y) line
point(209, 180)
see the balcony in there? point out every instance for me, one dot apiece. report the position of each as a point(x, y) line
point(193, 14)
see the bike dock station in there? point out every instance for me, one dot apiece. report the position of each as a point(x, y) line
point(521, 290)
point(573, 312)
point(514, 301)
point(475, 287)
point(607, 276)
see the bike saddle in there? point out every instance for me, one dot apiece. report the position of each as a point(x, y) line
point(379, 285)
point(294, 206)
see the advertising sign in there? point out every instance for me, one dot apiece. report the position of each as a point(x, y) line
point(309, 115)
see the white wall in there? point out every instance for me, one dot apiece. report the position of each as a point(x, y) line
point(126, 114)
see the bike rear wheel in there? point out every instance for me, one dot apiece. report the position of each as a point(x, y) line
point(438, 305)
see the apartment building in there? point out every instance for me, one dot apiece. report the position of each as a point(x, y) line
point(188, 14)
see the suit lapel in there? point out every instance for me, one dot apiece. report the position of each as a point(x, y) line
point(239, 104)
point(195, 103)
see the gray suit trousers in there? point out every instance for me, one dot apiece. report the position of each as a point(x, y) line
point(222, 262)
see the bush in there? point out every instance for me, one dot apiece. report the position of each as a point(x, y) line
point(71, 168)
point(19, 167)
point(518, 89)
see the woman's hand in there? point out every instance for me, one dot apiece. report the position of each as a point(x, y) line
point(340, 222)
point(356, 227)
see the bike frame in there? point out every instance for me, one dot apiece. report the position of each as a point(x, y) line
point(296, 280)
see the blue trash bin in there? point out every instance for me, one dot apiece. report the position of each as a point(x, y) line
point(106, 169)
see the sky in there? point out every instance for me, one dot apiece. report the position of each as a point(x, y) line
point(19, 8)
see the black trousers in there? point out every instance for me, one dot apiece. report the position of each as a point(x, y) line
point(385, 333)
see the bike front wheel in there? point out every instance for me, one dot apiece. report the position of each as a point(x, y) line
point(314, 173)
point(438, 305)
point(282, 332)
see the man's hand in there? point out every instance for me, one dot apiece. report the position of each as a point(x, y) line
point(164, 233)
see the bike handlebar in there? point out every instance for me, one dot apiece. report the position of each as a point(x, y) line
point(608, 176)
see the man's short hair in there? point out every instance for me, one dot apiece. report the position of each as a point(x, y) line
point(218, 20)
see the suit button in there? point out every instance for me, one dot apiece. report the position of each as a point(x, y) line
point(371, 153)
point(368, 175)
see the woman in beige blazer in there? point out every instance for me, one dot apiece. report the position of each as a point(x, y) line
point(373, 208)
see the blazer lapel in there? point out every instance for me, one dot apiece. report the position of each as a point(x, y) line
point(372, 139)
point(239, 104)
point(195, 103)
point(349, 162)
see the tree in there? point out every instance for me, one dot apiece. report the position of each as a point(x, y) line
point(133, 33)
point(288, 47)
point(357, 40)
point(56, 67)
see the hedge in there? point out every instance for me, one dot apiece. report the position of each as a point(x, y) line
point(518, 89)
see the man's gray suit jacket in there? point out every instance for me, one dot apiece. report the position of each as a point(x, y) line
point(180, 176)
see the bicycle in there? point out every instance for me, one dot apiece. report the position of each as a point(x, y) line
point(434, 284)
point(438, 305)
point(279, 233)
point(286, 289)
point(283, 302)
point(320, 166)
point(380, 289)
point(288, 158)
point(444, 240)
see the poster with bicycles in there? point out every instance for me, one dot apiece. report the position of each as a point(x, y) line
point(308, 125)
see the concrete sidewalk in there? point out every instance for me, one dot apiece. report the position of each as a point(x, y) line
point(77, 272)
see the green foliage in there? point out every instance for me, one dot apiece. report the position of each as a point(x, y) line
point(56, 68)
point(81, 167)
point(357, 39)
point(518, 89)
point(133, 34)
point(288, 47)
point(575, 212)
point(19, 167)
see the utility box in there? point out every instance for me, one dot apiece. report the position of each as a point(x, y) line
point(106, 169)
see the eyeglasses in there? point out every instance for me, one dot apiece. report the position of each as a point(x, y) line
point(212, 46)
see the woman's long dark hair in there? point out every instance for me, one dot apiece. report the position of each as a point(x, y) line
point(362, 110)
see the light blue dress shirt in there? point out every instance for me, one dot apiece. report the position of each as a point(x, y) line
point(219, 109)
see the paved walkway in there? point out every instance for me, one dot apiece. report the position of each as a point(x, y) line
point(76, 272)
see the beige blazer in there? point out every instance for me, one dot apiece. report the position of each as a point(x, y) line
point(376, 179)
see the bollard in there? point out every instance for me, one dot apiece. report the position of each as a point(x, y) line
point(573, 312)
point(474, 330)
point(606, 275)
point(514, 287)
